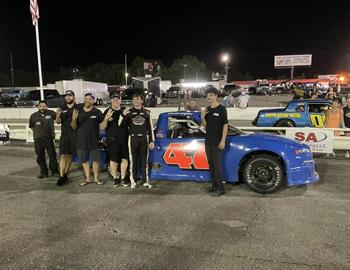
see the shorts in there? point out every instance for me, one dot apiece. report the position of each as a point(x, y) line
point(85, 155)
point(117, 149)
point(68, 144)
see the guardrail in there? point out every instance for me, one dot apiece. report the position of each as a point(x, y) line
point(23, 132)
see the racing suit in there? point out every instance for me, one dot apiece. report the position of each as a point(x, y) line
point(140, 131)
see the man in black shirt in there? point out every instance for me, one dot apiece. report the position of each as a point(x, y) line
point(141, 138)
point(117, 139)
point(87, 122)
point(346, 111)
point(214, 118)
point(68, 135)
point(42, 124)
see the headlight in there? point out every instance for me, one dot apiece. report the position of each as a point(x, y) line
point(302, 150)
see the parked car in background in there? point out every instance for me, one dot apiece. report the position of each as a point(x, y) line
point(231, 88)
point(11, 97)
point(32, 98)
point(173, 92)
point(298, 113)
point(127, 95)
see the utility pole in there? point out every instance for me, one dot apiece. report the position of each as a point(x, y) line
point(11, 69)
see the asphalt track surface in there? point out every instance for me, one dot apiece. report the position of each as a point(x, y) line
point(175, 225)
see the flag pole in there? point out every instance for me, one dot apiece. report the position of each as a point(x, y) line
point(39, 59)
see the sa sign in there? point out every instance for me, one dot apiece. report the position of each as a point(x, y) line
point(320, 141)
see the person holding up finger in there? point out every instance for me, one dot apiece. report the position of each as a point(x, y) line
point(68, 137)
point(87, 123)
point(117, 139)
point(214, 119)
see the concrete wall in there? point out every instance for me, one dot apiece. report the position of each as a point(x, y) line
point(233, 113)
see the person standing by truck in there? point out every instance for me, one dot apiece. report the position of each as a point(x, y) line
point(87, 123)
point(214, 119)
point(117, 139)
point(42, 124)
point(141, 138)
point(68, 138)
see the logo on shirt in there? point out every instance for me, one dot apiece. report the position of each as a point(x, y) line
point(64, 111)
point(38, 123)
point(138, 120)
point(48, 117)
point(93, 117)
point(215, 114)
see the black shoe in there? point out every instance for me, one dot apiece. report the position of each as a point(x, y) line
point(65, 176)
point(212, 189)
point(116, 182)
point(61, 181)
point(41, 176)
point(124, 183)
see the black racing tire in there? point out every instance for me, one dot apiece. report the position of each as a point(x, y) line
point(263, 173)
point(284, 123)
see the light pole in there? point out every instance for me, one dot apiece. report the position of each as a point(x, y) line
point(185, 65)
point(126, 78)
point(225, 58)
point(75, 71)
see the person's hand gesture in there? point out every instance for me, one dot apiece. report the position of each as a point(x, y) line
point(75, 114)
point(109, 114)
point(126, 111)
point(204, 113)
point(58, 113)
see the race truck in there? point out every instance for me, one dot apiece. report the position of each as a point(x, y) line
point(264, 162)
point(298, 113)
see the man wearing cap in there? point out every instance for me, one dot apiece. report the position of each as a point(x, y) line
point(141, 138)
point(117, 139)
point(68, 138)
point(42, 124)
point(87, 123)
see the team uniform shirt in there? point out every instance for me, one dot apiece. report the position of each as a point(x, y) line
point(115, 125)
point(216, 118)
point(43, 124)
point(88, 129)
point(66, 118)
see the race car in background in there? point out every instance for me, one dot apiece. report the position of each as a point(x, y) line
point(264, 162)
point(298, 113)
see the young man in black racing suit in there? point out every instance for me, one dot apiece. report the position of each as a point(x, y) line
point(141, 138)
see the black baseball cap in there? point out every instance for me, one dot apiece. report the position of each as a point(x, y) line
point(115, 95)
point(90, 94)
point(69, 93)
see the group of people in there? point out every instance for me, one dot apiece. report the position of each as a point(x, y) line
point(129, 136)
point(242, 100)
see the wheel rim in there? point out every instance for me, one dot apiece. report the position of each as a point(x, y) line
point(263, 175)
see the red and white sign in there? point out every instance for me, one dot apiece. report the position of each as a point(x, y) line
point(319, 140)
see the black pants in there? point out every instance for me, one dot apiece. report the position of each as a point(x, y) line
point(138, 154)
point(214, 159)
point(40, 145)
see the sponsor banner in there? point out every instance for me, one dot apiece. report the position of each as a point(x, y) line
point(319, 140)
point(293, 60)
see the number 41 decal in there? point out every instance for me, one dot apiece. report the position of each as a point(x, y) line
point(182, 155)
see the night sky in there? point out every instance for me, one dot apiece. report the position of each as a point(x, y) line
point(77, 33)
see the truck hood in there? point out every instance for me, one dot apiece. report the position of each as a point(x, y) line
point(273, 139)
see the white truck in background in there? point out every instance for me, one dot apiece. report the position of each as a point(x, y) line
point(81, 87)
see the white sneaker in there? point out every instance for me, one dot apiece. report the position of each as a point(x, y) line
point(133, 185)
point(148, 185)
